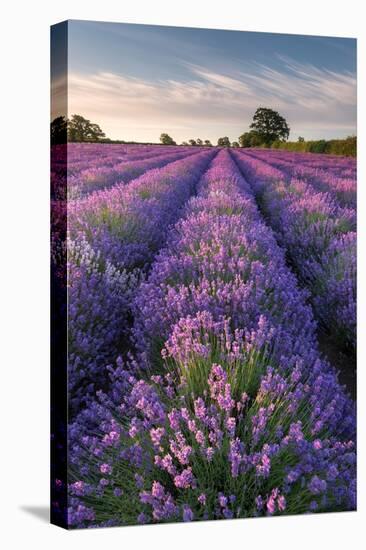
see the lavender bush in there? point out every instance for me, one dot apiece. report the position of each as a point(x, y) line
point(227, 409)
point(113, 236)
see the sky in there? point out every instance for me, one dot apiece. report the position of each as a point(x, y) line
point(137, 81)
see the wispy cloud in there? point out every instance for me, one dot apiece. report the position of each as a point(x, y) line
point(316, 102)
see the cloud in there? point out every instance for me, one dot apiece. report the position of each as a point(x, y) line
point(316, 102)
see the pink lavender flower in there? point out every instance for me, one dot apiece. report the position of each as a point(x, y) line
point(202, 499)
point(174, 419)
point(157, 490)
point(111, 438)
point(185, 479)
point(271, 505)
point(156, 435)
point(200, 438)
point(78, 488)
point(264, 466)
point(231, 425)
point(220, 390)
point(106, 469)
point(199, 408)
point(281, 503)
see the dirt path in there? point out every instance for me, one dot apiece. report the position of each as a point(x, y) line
point(344, 364)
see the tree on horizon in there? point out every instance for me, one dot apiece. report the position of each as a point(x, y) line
point(269, 126)
point(223, 142)
point(81, 129)
point(165, 139)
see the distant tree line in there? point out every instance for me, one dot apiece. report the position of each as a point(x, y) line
point(270, 129)
point(267, 127)
point(198, 142)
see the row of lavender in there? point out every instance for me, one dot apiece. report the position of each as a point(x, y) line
point(227, 409)
point(82, 156)
point(337, 177)
point(112, 237)
point(319, 235)
point(104, 176)
point(86, 155)
point(342, 167)
point(100, 173)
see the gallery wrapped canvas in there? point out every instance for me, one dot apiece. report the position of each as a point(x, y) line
point(203, 289)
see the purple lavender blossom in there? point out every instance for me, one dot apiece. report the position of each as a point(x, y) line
point(228, 411)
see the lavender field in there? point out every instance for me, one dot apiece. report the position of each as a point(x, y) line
point(211, 331)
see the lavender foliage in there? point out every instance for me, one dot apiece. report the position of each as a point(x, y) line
point(319, 236)
point(228, 409)
point(113, 236)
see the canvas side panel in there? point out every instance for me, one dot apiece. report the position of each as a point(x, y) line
point(59, 397)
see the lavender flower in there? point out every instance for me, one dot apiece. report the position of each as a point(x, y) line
point(228, 410)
